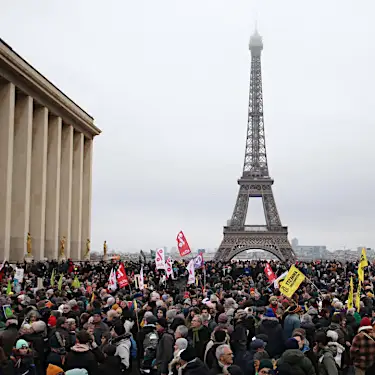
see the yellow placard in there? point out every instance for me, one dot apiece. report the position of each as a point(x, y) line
point(293, 280)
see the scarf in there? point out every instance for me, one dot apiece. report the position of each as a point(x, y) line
point(196, 335)
point(180, 370)
point(224, 368)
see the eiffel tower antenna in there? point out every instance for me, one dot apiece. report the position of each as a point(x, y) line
point(255, 181)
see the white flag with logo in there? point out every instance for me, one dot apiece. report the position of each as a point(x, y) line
point(191, 270)
point(112, 281)
point(141, 280)
point(168, 267)
point(160, 259)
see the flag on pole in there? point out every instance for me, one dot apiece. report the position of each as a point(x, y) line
point(168, 267)
point(358, 297)
point(59, 283)
point(363, 263)
point(9, 288)
point(112, 281)
point(52, 281)
point(198, 261)
point(269, 273)
point(291, 283)
point(191, 270)
point(351, 294)
point(182, 244)
point(281, 277)
point(141, 279)
point(76, 284)
point(122, 278)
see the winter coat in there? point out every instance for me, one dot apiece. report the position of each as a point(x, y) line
point(22, 365)
point(123, 345)
point(194, 367)
point(239, 339)
point(299, 363)
point(291, 322)
point(164, 351)
point(141, 336)
point(110, 366)
point(8, 339)
point(200, 346)
point(80, 356)
point(326, 362)
point(276, 339)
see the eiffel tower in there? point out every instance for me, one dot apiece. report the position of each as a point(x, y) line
point(255, 182)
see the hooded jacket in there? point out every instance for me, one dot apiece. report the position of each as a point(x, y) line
point(272, 328)
point(299, 363)
point(80, 356)
point(123, 345)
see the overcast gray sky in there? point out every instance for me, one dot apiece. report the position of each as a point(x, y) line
point(167, 82)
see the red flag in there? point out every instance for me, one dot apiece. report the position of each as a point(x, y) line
point(183, 246)
point(268, 271)
point(122, 279)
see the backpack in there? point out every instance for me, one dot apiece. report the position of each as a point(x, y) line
point(133, 348)
point(150, 343)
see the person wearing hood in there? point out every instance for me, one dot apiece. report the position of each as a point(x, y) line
point(362, 350)
point(180, 345)
point(338, 348)
point(271, 327)
point(191, 364)
point(81, 356)
point(121, 340)
point(293, 356)
point(112, 362)
point(217, 338)
point(164, 349)
point(326, 355)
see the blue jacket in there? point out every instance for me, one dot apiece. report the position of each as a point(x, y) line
point(291, 322)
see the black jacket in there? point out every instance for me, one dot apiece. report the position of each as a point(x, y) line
point(164, 352)
point(80, 356)
point(110, 366)
point(272, 328)
point(196, 367)
point(200, 346)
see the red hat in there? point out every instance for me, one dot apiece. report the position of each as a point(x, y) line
point(52, 321)
point(365, 322)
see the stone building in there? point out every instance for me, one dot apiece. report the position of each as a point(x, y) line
point(46, 146)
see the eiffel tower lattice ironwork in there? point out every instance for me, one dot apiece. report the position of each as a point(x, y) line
point(255, 182)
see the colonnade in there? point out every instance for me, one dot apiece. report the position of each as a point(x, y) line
point(45, 168)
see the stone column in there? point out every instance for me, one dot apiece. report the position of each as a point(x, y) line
point(66, 185)
point(23, 121)
point(53, 188)
point(76, 232)
point(38, 181)
point(86, 199)
point(7, 102)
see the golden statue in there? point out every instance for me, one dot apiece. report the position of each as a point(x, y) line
point(105, 248)
point(87, 247)
point(62, 246)
point(29, 244)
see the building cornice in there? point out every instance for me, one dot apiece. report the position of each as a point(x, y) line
point(15, 69)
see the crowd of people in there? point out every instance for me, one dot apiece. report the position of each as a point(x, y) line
point(230, 321)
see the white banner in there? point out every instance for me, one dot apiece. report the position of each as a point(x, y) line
point(141, 280)
point(168, 267)
point(281, 277)
point(19, 274)
point(112, 281)
point(191, 270)
point(160, 259)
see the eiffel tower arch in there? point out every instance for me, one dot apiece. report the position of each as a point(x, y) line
point(255, 182)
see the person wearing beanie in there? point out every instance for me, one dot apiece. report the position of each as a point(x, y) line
point(294, 357)
point(223, 324)
point(362, 350)
point(271, 327)
point(121, 340)
point(22, 359)
point(54, 370)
